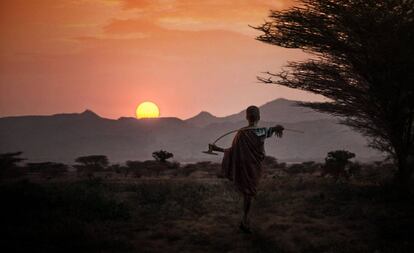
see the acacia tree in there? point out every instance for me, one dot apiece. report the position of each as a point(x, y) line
point(162, 155)
point(91, 164)
point(96, 162)
point(362, 61)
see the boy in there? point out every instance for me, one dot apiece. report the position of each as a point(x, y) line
point(242, 161)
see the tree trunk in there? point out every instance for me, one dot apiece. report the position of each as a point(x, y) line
point(404, 172)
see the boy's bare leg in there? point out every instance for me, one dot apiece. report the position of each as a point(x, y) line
point(246, 208)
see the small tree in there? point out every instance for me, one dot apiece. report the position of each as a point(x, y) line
point(134, 167)
point(91, 164)
point(336, 162)
point(162, 155)
point(363, 64)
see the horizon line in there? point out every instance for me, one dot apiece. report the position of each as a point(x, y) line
point(132, 117)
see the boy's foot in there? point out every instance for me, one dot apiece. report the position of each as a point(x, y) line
point(244, 228)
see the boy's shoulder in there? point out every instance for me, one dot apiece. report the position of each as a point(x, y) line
point(259, 131)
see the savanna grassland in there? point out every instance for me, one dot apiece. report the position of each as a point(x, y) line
point(165, 207)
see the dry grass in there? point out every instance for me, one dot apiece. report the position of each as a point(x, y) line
point(181, 213)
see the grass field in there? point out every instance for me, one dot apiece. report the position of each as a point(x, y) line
point(198, 212)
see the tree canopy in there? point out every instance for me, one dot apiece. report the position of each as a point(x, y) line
point(97, 162)
point(363, 63)
point(162, 155)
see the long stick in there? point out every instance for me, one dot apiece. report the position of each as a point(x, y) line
point(287, 129)
point(225, 135)
point(294, 130)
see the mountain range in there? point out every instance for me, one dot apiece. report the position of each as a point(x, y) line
point(64, 137)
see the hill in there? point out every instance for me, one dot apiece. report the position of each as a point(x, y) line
point(63, 137)
point(282, 110)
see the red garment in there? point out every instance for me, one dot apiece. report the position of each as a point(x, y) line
point(242, 162)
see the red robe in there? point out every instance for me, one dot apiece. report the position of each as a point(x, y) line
point(242, 162)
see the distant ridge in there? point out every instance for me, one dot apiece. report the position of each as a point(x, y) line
point(89, 113)
point(279, 110)
point(202, 119)
point(63, 137)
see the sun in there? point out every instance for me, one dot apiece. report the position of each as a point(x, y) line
point(147, 110)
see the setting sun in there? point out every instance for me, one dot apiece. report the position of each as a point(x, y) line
point(147, 110)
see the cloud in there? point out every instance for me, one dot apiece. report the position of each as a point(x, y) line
point(137, 4)
point(233, 15)
point(109, 54)
point(49, 26)
point(205, 5)
point(125, 26)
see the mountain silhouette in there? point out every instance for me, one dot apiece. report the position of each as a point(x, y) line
point(63, 137)
point(203, 119)
point(89, 114)
point(279, 110)
point(282, 110)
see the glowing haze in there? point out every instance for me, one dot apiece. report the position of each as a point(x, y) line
point(108, 55)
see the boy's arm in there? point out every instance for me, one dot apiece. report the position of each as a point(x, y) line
point(277, 130)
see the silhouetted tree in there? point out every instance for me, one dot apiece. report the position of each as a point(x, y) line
point(336, 163)
point(162, 155)
point(339, 157)
point(364, 65)
point(91, 164)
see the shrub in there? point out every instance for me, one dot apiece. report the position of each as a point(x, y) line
point(305, 167)
point(188, 169)
point(87, 165)
point(174, 165)
point(353, 169)
point(9, 164)
point(48, 169)
point(117, 168)
point(134, 167)
point(147, 168)
point(336, 163)
point(377, 172)
point(271, 162)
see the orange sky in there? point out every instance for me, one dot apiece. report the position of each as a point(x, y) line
point(109, 55)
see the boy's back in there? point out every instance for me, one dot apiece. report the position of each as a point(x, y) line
point(242, 161)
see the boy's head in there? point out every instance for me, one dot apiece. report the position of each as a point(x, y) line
point(252, 114)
